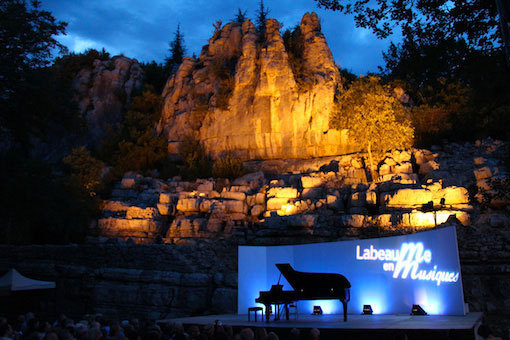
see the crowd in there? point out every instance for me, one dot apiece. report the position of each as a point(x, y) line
point(95, 327)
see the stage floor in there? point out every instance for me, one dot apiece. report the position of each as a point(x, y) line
point(355, 322)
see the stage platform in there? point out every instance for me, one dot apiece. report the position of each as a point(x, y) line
point(357, 326)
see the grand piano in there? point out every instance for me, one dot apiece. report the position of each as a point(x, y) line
point(307, 286)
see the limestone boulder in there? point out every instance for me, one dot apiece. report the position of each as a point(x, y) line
point(407, 197)
point(280, 192)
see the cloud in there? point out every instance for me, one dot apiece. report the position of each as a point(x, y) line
point(143, 30)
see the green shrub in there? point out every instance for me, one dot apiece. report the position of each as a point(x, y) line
point(135, 146)
point(223, 69)
point(444, 110)
point(68, 66)
point(294, 45)
point(228, 167)
point(196, 162)
point(86, 170)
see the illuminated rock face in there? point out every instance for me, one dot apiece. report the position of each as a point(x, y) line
point(105, 91)
point(268, 115)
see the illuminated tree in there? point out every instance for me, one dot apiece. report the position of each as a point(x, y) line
point(376, 120)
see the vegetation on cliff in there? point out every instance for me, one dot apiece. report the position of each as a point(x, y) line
point(450, 61)
point(374, 117)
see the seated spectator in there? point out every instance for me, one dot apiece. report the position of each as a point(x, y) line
point(314, 334)
point(272, 336)
point(247, 334)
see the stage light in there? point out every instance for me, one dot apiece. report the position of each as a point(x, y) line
point(417, 310)
point(367, 310)
point(317, 310)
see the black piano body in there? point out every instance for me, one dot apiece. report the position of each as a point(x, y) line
point(307, 286)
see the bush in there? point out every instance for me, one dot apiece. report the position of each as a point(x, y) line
point(68, 66)
point(196, 162)
point(294, 45)
point(228, 167)
point(86, 170)
point(135, 146)
point(224, 69)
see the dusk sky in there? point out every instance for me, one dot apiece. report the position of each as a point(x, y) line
point(143, 29)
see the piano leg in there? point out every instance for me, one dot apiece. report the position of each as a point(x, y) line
point(344, 303)
point(268, 308)
point(287, 311)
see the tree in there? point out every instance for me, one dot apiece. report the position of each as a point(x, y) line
point(474, 21)
point(240, 17)
point(376, 120)
point(27, 40)
point(261, 19)
point(177, 50)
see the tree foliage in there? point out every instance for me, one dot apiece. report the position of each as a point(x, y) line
point(155, 75)
point(27, 39)
point(177, 51)
point(38, 206)
point(376, 120)
point(474, 21)
point(260, 21)
point(294, 45)
point(69, 65)
point(135, 146)
point(240, 17)
point(85, 170)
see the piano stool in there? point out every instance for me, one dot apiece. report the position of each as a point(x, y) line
point(255, 310)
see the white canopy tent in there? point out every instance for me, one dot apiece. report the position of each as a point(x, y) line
point(14, 281)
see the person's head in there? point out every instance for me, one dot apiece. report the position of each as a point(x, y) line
point(314, 334)
point(5, 330)
point(260, 333)
point(193, 331)
point(272, 336)
point(94, 334)
point(294, 334)
point(51, 336)
point(247, 334)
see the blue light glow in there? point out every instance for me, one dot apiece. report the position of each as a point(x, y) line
point(390, 274)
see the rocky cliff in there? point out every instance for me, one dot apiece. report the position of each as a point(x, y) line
point(241, 96)
point(104, 92)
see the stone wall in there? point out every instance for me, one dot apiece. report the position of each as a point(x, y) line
point(123, 279)
point(198, 225)
point(120, 279)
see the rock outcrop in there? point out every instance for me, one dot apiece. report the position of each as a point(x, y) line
point(241, 97)
point(105, 91)
point(315, 199)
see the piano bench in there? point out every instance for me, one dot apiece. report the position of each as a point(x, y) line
point(255, 310)
point(293, 306)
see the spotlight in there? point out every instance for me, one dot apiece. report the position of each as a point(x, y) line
point(317, 310)
point(417, 310)
point(367, 310)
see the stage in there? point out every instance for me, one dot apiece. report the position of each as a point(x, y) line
point(357, 326)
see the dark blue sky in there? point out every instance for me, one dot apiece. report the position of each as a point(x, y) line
point(143, 29)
